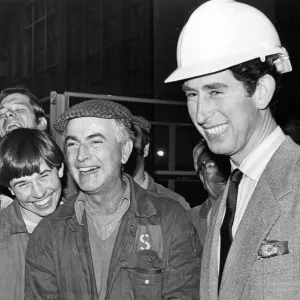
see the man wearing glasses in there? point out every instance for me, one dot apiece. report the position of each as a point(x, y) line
point(213, 171)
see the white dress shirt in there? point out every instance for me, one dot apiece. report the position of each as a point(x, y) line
point(252, 167)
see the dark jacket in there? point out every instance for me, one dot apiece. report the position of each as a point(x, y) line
point(156, 254)
point(13, 242)
point(166, 192)
point(199, 217)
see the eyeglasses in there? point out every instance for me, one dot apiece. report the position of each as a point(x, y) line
point(208, 165)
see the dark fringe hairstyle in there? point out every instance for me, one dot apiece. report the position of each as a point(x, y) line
point(21, 153)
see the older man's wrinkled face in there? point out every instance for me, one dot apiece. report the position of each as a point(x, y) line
point(93, 154)
point(16, 112)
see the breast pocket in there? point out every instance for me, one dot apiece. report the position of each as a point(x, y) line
point(146, 283)
point(275, 264)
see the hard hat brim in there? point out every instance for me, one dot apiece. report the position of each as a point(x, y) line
point(218, 64)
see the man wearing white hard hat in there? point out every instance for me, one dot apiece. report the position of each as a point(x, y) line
point(230, 60)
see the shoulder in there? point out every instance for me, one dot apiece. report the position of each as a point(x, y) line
point(147, 202)
point(57, 221)
point(160, 189)
point(282, 173)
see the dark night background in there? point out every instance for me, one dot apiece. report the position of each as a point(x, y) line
point(127, 48)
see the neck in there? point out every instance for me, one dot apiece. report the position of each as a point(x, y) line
point(105, 202)
point(265, 129)
point(139, 172)
point(212, 198)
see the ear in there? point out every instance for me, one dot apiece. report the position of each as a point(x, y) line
point(146, 150)
point(201, 178)
point(12, 192)
point(61, 171)
point(42, 123)
point(126, 150)
point(264, 91)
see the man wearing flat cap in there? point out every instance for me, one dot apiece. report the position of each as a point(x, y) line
point(113, 240)
point(141, 128)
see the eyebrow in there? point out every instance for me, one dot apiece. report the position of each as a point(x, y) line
point(186, 88)
point(214, 86)
point(89, 137)
point(24, 181)
point(16, 102)
point(206, 87)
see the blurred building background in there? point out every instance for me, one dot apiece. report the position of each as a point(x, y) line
point(126, 48)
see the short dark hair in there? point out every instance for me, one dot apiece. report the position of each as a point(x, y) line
point(21, 152)
point(33, 100)
point(251, 71)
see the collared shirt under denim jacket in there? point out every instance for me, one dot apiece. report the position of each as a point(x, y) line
point(156, 254)
point(13, 241)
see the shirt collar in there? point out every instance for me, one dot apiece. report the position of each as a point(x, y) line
point(254, 164)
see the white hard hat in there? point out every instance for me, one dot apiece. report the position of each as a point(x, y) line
point(223, 33)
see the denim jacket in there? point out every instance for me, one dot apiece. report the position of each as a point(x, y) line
point(156, 254)
point(13, 242)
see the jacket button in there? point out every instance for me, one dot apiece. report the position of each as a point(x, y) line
point(146, 281)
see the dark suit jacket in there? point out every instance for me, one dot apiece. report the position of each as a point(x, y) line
point(274, 213)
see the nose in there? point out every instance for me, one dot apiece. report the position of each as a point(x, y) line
point(38, 190)
point(83, 153)
point(204, 110)
point(9, 114)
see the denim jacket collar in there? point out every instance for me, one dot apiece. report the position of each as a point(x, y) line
point(11, 221)
point(140, 204)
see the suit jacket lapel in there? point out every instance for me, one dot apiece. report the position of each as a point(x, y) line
point(260, 216)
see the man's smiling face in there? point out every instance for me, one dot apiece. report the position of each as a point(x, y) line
point(223, 113)
point(93, 154)
point(15, 112)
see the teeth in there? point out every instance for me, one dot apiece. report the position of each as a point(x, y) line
point(87, 169)
point(217, 130)
point(43, 202)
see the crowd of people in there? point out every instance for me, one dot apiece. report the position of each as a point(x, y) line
point(124, 236)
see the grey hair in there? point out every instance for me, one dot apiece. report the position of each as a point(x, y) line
point(123, 133)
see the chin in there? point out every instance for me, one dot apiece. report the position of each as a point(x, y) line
point(88, 188)
point(220, 148)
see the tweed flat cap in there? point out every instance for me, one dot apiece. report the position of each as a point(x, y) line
point(141, 122)
point(98, 108)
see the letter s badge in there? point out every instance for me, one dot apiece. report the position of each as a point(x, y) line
point(142, 240)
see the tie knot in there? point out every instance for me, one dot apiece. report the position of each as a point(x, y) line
point(236, 175)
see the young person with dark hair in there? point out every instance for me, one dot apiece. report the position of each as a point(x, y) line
point(19, 108)
point(31, 165)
